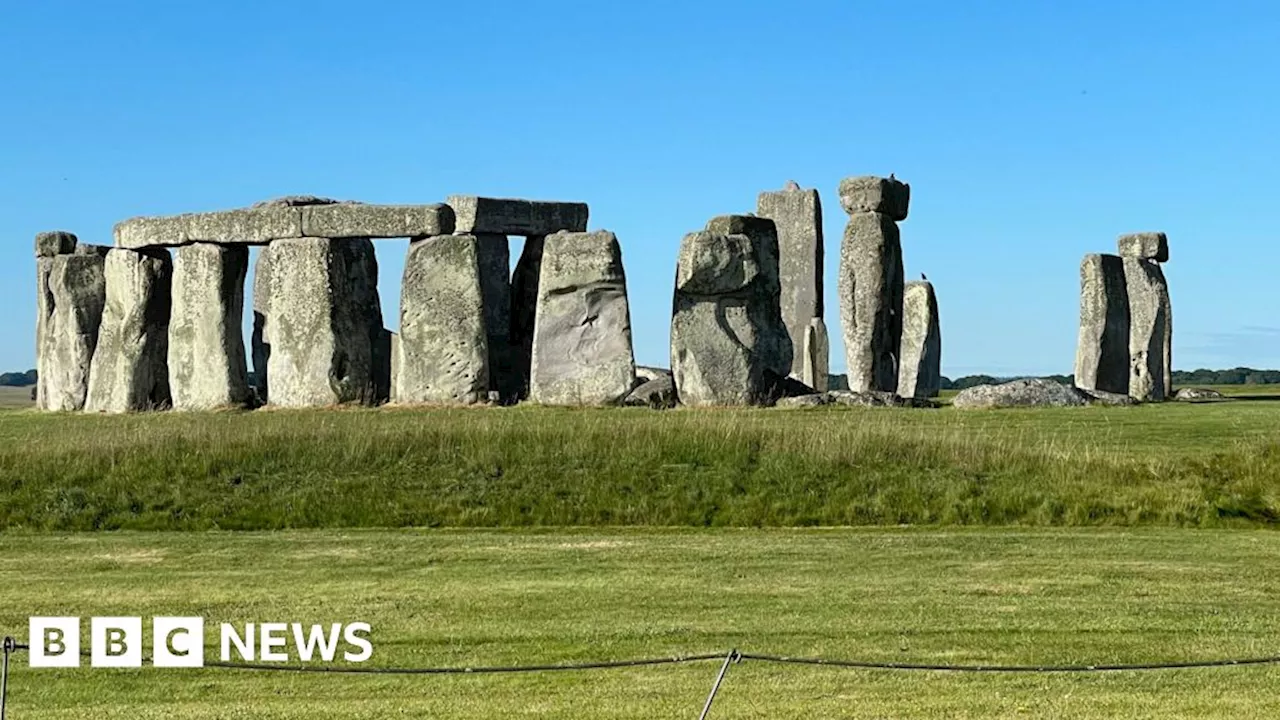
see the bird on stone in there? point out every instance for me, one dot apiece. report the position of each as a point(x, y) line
point(922, 277)
point(891, 177)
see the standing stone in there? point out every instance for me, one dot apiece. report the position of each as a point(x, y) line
point(871, 288)
point(1102, 349)
point(71, 300)
point(206, 345)
point(494, 255)
point(1144, 246)
point(524, 309)
point(261, 349)
point(323, 320)
point(130, 369)
point(776, 348)
point(816, 369)
point(54, 243)
point(443, 344)
point(726, 323)
point(920, 375)
point(797, 214)
point(1150, 329)
point(582, 351)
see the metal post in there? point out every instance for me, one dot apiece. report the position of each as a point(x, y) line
point(9, 645)
point(733, 655)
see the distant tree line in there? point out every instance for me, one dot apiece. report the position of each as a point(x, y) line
point(18, 379)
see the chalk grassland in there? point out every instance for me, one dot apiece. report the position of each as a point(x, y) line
point(1176, 464)
point(15, 397)
point(495, 597)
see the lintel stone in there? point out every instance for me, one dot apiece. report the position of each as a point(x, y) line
point(505, 216)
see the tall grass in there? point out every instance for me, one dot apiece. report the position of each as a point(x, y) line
point(1169, 465)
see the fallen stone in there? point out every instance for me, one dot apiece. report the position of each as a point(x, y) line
point(1102, 397)
point(815, 355)
point(1150, 329)
point(877, 398)
point(323, 321)
point(658, 393)
point(358, 220)
point(246, 226)
point(1102, 349)
point(1145, 246)
point(1030, 392)
point(871, 290)
point(777, 349)
point(726, 328)
point(504, 216)
point(838, 382)
point(495, 282)
point(444, 354)
point(70, 303)
point(130, 370)
point(797, 214)
point(56, 242)
point(1198, 395)
point(870, 194)
point(644, 374)
point(524, 311)
point(803, 401)
point(582, 351)
point(206, 345)
point(920, 363)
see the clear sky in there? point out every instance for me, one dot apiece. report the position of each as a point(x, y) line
point(1031, 133)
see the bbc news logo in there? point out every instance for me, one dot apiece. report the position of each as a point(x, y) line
point(118, 642)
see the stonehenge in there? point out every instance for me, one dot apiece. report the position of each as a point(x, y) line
point(130, 370)
point(797, 215)
point(71, 294)
point(207, 367)
point(582, 352)
point(920, 357)
point(871, 281)
point(1125, 343)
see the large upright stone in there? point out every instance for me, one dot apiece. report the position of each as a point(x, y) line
point(1150, 329)
point(443, 344)
point(777, 350)
point(206, 345)
point(260, 347)
point(130, 370)
point(726, 323)
point(494, 257)
point(524, 310)
point(920, 371)
point(582, 351)
point(323, 321)
point(505, 216)
point(72, 292)
point(815, 355)
point(1102, 348)
point(798, 216)
point(55, 242)
point(870, 194)
point(871, 287)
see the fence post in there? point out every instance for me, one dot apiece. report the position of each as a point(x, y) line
point(733, 655)
point(9, 645)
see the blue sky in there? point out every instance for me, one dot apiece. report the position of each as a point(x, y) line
point(1031, 133)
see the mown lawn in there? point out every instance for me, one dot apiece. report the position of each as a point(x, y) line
point(444, 597)
point(1176, 464)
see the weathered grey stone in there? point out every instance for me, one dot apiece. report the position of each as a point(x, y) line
point(658, 393)
point(55, 242)
point(1198, 395)
point(206, 345)
point(93, 250)
point(797, 214)
point(444, 354)
point(1031, 392)
point(1145, 246)
point(323, 321)
point(1102, 397)
point(245, 226)
point(1102, 349)
point(874, 398)
point(524, 310)
point(504, 216)
point(838, 382)
point(1150, 329)
point(260, 346)
point(777, 349)
point(644, 374)
point(803, 401)
point(871, 288)
point(130, 369)
point(870, 194)
point(920, 357)
point(494, 254)
point(295, 201)
point(727, 326)
point(582, 339)
point(395, 359)
point(358, 220)
point(71, 296)
point(815, 353)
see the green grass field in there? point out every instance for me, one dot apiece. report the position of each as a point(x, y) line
point(1175, 464)
point(442, 597)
